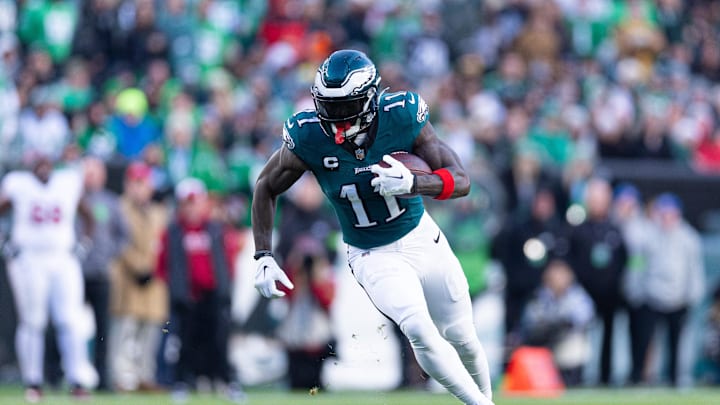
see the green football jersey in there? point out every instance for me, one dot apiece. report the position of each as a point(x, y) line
point(367, 219)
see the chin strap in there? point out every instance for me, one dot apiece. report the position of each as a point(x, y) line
point(340, 128)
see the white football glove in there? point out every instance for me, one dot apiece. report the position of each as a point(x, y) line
point(394, 180)
point(268, 272)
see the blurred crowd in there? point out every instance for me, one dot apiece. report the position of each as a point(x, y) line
point(200, 87)
point(531, 94)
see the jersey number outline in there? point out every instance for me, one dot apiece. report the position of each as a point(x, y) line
point(400, 103)
point(349, 191)
point(41, 215)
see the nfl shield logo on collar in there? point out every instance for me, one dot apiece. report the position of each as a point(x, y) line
point(359, 154)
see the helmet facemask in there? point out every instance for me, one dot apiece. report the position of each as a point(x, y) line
point(345, 117)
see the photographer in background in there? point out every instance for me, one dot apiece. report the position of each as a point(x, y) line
point(559, 317)
point(307, 233)
point(306, 330)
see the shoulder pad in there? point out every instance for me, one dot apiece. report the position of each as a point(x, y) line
point(296, 125)
point(405, 103)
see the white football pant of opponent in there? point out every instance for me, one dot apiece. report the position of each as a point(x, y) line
point(45, 276)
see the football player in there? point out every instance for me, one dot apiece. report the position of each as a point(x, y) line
point(395, 250)
point(44, 273)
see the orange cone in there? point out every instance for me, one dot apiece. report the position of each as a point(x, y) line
point(531, 372)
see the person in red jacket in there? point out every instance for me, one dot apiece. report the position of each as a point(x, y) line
point(196, 260)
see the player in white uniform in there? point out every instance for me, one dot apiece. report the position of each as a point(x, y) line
point(44, 274)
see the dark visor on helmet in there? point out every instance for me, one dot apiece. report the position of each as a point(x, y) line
point(336, 110)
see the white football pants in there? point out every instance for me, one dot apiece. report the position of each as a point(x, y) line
point(49, 282)
point(419, 284)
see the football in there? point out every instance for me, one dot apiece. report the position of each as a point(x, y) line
point(414, 163)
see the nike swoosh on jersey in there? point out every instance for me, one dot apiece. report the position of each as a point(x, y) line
point(290, 124)
point(396, 177)
point(437, 239)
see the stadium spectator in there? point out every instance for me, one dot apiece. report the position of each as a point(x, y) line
point(628, 214)
point(74, 90)
point(598, 257)
point(179, 146)
point(175, 20)
point(304, 213)
point(428, 55)
point(97, 36)
point(43, 128)
point(637, 34)
point(308, 234)
point(196, 260)
point(208, 164)
point(654, 139)
point(306, 330)
point(525, 247)
point(706, 157)
point(559, 317)
point(91, 133)
point(674, 277)
point(109, 237)
point(160, 86)
point(9, 8)
point(11, 107)
point(133, 128)
point(49, 24)
point(613, 115)
point(142, 41)
point(213, 42)
point(138, 299)
point(540, 42)
point(523, 179)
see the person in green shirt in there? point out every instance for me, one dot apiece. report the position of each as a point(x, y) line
point(208, 161)
point(75, 90)
point(50, 24)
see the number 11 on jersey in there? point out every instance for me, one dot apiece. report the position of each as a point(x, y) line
point(350, 192)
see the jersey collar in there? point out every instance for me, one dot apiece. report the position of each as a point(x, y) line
point(361, 151)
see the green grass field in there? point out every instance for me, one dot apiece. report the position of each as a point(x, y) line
point(704, 396)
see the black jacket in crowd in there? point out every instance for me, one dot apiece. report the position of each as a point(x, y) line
point(598, 257)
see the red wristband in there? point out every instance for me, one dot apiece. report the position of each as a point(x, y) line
point(448, 184)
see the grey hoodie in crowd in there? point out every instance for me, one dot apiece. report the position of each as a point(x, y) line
point(109, 236)
point(675, 274)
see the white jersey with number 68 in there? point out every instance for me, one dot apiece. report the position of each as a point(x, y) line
point(43, 214)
